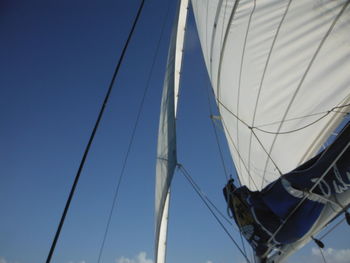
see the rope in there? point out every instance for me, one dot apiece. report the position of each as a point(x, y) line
point(115, 197)
point(207, 199)
point(221, 156)
point(53, 245)
point(202, 196)
point(307, 125)
point(252, 128)
point(239, 155)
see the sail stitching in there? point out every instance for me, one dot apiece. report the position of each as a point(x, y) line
point(218, 10)
point(262, 80)
point(223, 43)
point(305, 74)
point(206, 29)
point(240, 77)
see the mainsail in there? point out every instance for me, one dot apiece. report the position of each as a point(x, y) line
point(166, 152)
point(280, 73)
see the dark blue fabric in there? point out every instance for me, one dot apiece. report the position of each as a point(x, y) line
point(274, 204)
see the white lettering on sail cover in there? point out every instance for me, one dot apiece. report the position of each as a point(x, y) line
point(336, 185)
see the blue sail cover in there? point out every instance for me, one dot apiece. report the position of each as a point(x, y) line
point(285, 210)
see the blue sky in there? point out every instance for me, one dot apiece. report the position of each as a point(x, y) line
point(56, 61)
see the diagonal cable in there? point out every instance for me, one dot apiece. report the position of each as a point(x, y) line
point(115, 197)
point(92, 136)
point(200, 194)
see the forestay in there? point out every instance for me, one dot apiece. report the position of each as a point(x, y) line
point(279, 92)
point(166, 152)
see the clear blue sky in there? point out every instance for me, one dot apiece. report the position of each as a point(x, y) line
point(56, 61)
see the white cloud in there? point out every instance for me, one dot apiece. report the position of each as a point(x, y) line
point(3, 260)
point(333, 255)
point(140, 258)
point(209, 261)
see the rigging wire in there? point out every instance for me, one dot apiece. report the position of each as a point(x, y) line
point(53, 245)
point(323, 257)
point(203, 197)
point(325, 114)
point(332, 228)
point(220, 149)
point(307, 194)
point(216, 134)
point(115, 197)
point(210, 202)
point(221, 153)
point(252, 128)
point(239, 155)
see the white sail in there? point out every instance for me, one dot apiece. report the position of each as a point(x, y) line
point(280, 73)
point(166, 152)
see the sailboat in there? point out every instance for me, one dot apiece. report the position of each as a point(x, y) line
point(262, 58)
point(279, 71)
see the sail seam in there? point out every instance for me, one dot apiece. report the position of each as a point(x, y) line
point(240, 76)
point(223, 44)
point(234, 145)
point(262, 80)
point(213, 34)
point(305, 74)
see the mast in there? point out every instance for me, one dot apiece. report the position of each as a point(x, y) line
point(166, 152)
